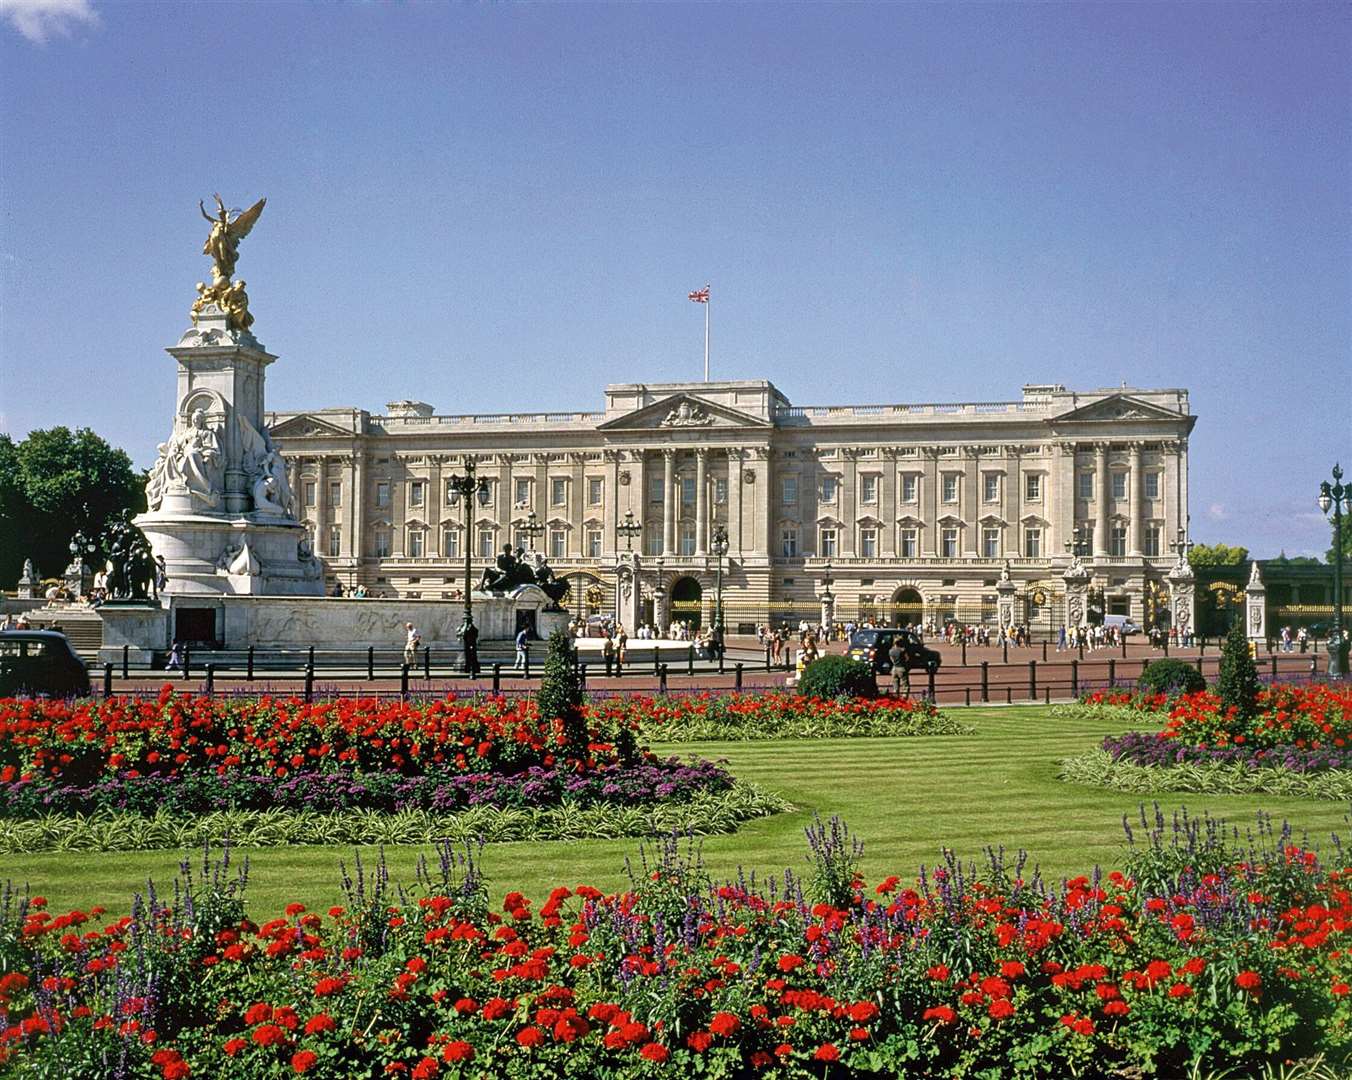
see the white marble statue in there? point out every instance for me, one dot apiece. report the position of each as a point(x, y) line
point(189, 462)
point(266, 470)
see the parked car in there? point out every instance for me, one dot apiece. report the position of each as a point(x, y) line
point(873, 645)
point(1124, 625)
point(40, 663)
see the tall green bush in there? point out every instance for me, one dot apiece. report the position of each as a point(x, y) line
point(1170, 677)
point(560, 696)
point(838, 676)
point(1237, 684)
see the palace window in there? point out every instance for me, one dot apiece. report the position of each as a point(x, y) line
point(868, 488)
point(595, 487)
point(335, 541)
point(310, 490)
point(1032, 487)
point(1152, 541)
point(558, 491)
point(652, 540)
point(1119, 485)
point(990, 543)
point(382, 493)
point(827, 548)
point(1086, 482)
point(382, 543)
point(789, 490)
point(868, 543)
point(687, 538)
point(656, 489)
point(415, 543)
point(948, 543)
point(829, 486)
point(720, 490)
point(593, 543)
point(450, 543)
point(1117, 540)
point(415, 493)
point(1032, 543)
point(688, 490)
point(950, 489)
point(520, 540)
point(452, 496)
point(522, 485)
point(558, 543)
point(487, 542)
point(788, 543)
point(1152, 485)
point(335, 493)
point(991, 489)
point(909, 487)
point(909, 543)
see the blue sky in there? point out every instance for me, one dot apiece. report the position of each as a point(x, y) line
point(497, 208)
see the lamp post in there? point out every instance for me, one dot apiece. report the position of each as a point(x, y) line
point(533, 528)
point(720, 548)
point(467, 487)
point(1079, 545)
point(1337, 495)
point(828, 602)
point(659, 598)
point(628, 528)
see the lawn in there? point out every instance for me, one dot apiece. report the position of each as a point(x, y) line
point(905, 798)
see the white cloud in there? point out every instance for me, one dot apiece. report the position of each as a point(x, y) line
point(1217, 512)
point(38, 20)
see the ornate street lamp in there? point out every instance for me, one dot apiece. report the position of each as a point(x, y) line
point(1336, 496)
point(659, 596)
point(467, 487)
point(534, 527)
point(828, 601)
point(629, 528)
point(1079, 545)
point(720, 548)
point(1182, 545)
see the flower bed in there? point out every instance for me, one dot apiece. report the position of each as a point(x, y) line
point(710, 717)
point(1201, 953)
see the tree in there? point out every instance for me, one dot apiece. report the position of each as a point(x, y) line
point(1217, 555)
point(1347, 543)
point(54, 483)
point(560, 697)
point(1237, 683)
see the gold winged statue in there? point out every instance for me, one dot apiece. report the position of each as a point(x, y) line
point(223, 246)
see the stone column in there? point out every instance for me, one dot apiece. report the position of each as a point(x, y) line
point(1063, 522)
point(1255, 605)
point(610, 510)
point(1077, 578)
point(1005, 590)
point(734, 500)
point(929, 499)
point(357, 506)
point(971, 479)
point(321, 543)
point(398, 507)
point(849, 504)
point(887, 540)
point(669, 499)
point(433, 503)
point(1183, 598)
point(1136, 493)
point(1104, 482)
point(628, 598)
point(577, 508)
point(701, 500)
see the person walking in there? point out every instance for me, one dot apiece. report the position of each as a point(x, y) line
point(901, 676)
point(411, 641)
point(522, 649)
point(608, 654)
point(469, 634)
point(621, 645)
point(175, 657)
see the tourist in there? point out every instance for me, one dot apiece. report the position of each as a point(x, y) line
point(1302, 639)
point(608, 654)
point(175, 657)
point(900, 675)
point(22, 623)
point(621, 645)
point(469, 634)
point(161, 574)
point(522, 645)
point(411, 641)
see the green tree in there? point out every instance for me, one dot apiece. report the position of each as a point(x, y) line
point(1347, 543)
point(560, 697)
point(53, 483)
point(1217, 555)
point(1237, 683)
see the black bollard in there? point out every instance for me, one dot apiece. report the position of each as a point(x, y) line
point(126, 660)
point(370, 663)
point(1032, 680)
point(1112, 673)
point(662, 678)
point(310, 656)
point(525, 673)
point(582, 675)
point(497, 678)
point(1075, 678)
point(1124, 646)
point(1274, 667)
point(187, 662)
point(737, 672)
point(967, 694)
point(1004, 648)
point(1081, 648)
point(251, 662)
point(211, 679)
point(964, 652)
point(427, 662)
point(721, 651)
point(1009, 695)
point(690, 660)
point(657, 666)
point(767, 656)
point(931, 684)
point(1044, 652)
point(309, 682)
point(985, 680)
point(107, 680)
point(403, 679)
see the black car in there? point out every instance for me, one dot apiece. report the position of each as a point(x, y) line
point(874, 644)
point(40, 662)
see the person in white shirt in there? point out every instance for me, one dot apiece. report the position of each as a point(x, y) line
point(411, 641)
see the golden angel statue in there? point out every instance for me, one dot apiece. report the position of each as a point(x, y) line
point(226, 233)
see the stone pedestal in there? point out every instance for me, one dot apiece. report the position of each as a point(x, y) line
point(828, 612)
point(1077, 578)
point(1183, 598)
point(1255, 605)
point(661, 615)
point(77, 579)
point(628, 594)
point(1005, 590)
point(30, 585)
point(142, 626)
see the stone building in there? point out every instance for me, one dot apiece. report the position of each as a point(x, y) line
point(910, 511)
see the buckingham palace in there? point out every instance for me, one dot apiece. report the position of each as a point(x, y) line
point(901, 511)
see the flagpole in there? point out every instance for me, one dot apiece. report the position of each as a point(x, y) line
point(707, 305)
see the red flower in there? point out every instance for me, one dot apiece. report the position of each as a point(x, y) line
point(654, 1052)
point(699, 1041)
point(790, 962)
point(496, 1008)
point(268, 1035)
point(530, 1036)
point(458, 1051)
point(939, 972)
point(1180, 990)
point(1000, 1010)
point(234, 1046)
point(320, 1022)
point(302, 1060)
point(1012, 969)
point(724, 1023)
point(826, 1052)
point(940, 1013)
point(426, 1069)
point(1248, 980)
point(861, 1012)
point(256, 1014)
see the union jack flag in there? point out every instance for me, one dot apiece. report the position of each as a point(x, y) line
point(701, 296)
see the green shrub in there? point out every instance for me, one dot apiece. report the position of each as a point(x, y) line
point(838, 676)
point(1171, 678)
point(1237, 684)
point(560, 696)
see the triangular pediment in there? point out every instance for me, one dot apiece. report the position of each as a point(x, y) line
point(1116, 407)
point(303, 427)
point(681, 412)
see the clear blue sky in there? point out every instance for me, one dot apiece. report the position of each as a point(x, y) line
point(498, 208)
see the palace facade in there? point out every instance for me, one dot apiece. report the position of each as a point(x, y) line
point(902, 512)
